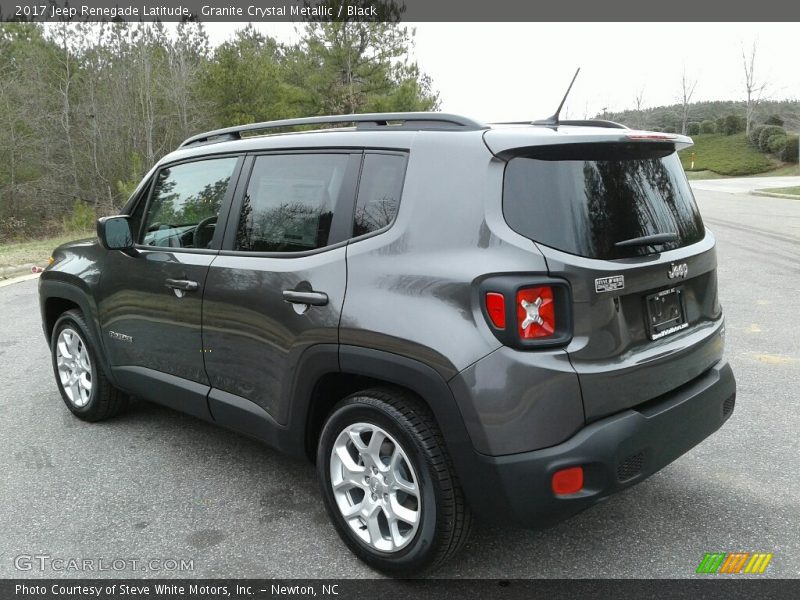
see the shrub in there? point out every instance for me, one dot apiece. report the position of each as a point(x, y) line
point(82, 219)
point(693, 128)
point(669, 129)
point(755, 132)
point(12, 229)
point(773, 120)
point(720, 124)
point(776, 144)
point(733, 124)
point(708, 126)
point(789, 152)
point(768, 133)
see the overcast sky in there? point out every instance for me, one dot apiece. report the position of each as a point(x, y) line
point(519, 71)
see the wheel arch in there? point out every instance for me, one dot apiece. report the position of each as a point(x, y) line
point(318, 390)
point(57, 297)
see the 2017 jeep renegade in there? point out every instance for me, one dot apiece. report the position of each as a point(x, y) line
point(454, 320)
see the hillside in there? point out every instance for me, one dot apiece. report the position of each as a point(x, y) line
point(669, 117)
point(727, 155)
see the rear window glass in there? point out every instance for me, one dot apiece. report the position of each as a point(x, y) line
point(379, 192)
point(583, 200)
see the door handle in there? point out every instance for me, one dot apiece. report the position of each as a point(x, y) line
point(184, 285)
point(310, 298)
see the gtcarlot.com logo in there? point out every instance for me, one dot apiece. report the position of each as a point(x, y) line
point(46, 562)
point(734, 562)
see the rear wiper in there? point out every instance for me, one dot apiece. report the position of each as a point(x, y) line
point(655, 239)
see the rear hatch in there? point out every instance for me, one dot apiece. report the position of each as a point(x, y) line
point(618, 220)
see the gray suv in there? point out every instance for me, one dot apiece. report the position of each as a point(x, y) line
point(454, 320)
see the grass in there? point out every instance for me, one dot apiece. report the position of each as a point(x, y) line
point(691, 175)
point(729, 155)
point(790, 191)
point(36, 252)
point(783, 171)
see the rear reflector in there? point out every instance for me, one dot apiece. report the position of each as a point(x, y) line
point(536, 317)
point(496, 307)
point(568, 481)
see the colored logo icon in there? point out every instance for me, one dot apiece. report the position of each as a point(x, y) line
point(734, 562)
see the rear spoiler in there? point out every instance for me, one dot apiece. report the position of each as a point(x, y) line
point(505, 142)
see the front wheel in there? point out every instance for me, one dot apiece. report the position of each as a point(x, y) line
point(388, 484)
point(85, 389)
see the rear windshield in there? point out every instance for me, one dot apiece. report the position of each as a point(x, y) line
point(585, 198)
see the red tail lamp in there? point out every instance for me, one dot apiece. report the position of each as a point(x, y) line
point(496, 307)
point(536, 316)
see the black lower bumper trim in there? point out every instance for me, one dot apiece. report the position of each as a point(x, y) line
point(615, 453)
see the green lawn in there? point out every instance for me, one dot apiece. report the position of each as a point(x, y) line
point(37, 252)
point(729, 155)
point(791, 191)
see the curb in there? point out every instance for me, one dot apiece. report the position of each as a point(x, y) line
point(775, 195)
point(21, 278)
point(9, 272)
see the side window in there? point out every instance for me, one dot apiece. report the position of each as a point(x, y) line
point(289, 202)
point(185, 203)
point(379, 192)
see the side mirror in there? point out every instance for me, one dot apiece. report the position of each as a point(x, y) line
point(114, 233)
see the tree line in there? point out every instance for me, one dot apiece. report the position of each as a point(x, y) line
point(86, 109)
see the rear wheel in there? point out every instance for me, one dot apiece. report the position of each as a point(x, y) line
point(388, 483)
point(84, 387)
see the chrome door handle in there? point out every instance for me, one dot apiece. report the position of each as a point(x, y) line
point(310, 298)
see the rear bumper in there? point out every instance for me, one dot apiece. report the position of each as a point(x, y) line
point(615, 453)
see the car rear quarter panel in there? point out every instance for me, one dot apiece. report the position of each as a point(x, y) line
point(411, 292)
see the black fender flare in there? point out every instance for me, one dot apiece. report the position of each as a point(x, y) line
point(53, 288)
point(409, 373)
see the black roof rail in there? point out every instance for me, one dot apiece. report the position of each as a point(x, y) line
point(594, 123)
point(405, 121)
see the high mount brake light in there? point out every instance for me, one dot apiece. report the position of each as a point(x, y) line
point(651, 136)
point(536, 316)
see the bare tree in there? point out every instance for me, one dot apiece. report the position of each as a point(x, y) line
point(753, 89)
point(687, 91)
point(639, 100)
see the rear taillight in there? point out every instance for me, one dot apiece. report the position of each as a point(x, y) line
point(527, 311)
point(496, 307)
point(536, 316)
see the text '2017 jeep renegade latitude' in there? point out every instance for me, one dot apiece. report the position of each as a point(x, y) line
point(454, 320)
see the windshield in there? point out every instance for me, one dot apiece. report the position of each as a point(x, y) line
point(585, 199)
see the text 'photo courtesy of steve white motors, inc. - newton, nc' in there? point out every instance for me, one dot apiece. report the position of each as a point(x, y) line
point(53, 11)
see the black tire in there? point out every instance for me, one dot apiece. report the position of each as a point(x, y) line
point(105, 401)
point(445, 519)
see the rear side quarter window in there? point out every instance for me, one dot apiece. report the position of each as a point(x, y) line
point(379, 192)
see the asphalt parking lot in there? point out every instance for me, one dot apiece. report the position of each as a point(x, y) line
point(154, 484)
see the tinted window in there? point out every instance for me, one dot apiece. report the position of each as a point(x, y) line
point(288, 206)
point(378, 192)
point(185, 203)
point(592, 197)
